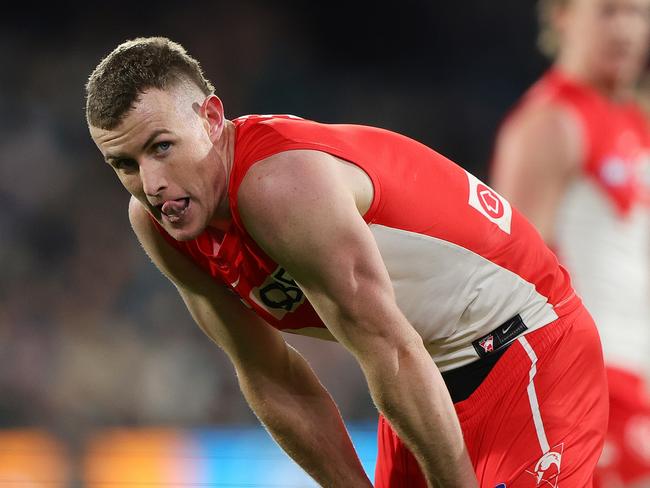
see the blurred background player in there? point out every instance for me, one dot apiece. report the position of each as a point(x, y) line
point(574, 156)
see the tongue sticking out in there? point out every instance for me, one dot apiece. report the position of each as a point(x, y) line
point(173, 209)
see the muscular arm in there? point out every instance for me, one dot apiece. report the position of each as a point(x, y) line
point(302, 212)
point(277, 382)
point(536, 156)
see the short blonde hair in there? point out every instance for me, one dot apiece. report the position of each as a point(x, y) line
point(548, 39)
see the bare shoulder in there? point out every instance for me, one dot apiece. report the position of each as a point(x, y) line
point(301, 204)
point(547, 129)
point(176, 267)
point(140, 220)
point(285, 186)
point(288, 172)
point(153, 243)
point(150, 239)
point(549, 118)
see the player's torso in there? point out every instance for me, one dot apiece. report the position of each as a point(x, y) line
point(603, 223)
point(461, 261)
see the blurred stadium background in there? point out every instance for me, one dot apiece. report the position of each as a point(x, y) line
point(104, 379)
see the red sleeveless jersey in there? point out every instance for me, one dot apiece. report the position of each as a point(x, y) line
point(460, 259)
point(615, 137)
point(602, 228)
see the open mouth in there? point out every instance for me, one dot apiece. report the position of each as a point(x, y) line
point(173, 210)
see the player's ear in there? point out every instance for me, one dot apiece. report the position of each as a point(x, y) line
point(213, 116)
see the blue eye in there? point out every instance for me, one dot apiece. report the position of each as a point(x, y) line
point(163, 146)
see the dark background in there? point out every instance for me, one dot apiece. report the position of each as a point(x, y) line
point(90, 334)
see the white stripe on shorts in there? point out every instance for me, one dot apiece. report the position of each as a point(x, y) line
point(532, 396)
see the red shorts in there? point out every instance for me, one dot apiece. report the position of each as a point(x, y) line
point(626, 458)
point(537, 420)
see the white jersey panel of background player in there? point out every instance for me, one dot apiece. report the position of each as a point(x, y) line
point(608, 254)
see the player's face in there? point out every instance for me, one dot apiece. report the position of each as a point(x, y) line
point(610, 36)
point(166, 154)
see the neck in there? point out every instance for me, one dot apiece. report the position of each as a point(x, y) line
point(226, 153)
point(576, 69)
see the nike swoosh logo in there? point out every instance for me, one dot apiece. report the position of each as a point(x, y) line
point(506, 329)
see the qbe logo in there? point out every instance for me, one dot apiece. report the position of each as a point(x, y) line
point(489, 203)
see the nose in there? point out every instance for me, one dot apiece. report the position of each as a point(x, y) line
point(154, 181)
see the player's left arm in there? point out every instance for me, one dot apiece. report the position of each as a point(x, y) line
point(302, 211)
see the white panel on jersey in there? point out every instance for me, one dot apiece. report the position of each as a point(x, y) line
point(492, 205)
point(608, 256)
point(453, 296)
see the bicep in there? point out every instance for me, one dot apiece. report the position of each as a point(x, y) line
point(305, 217)
point(534, 160)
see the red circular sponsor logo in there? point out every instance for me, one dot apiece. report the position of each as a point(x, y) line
point(490, 201)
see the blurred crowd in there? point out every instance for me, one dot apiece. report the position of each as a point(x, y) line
point(90, 333)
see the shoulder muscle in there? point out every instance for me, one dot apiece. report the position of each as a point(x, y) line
point(298, 209)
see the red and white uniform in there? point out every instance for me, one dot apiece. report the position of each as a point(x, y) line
point(460, 259)
point(603, 225)
point(602, 236)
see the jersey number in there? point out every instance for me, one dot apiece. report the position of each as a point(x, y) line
point(278, 294)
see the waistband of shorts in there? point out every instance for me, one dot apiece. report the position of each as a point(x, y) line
point(515, 363)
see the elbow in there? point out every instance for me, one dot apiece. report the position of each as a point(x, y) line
point(371, 325)
point(397, 365)
point(393, 354)
point(379, 333)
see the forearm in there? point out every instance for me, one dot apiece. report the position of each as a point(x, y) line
point(302, 417)
point(408, 389)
